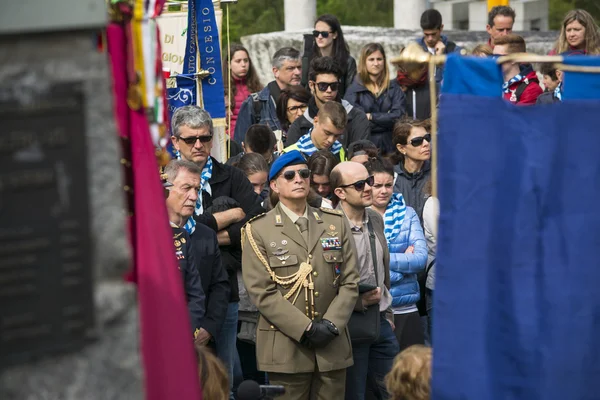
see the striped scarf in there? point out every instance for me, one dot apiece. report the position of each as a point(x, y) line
point(393, 217)
point(506, 86)
point(558, 92)
point(306, 146)
point(190, 225)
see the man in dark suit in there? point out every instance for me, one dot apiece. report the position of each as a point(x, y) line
point(352, 185)
point(201, 250)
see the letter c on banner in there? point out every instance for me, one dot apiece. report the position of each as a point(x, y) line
point(205, 11)
point(209, 49)
point(212, 81)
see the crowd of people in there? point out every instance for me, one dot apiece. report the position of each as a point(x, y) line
point(308, 258)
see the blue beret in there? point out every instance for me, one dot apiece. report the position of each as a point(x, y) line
point(293, 157)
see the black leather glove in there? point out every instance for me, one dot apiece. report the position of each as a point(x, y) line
point(320, 334)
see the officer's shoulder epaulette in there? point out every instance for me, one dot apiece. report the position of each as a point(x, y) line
point(257, 217)
point(331, 211)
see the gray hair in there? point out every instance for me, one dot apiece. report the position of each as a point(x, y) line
point(191, 116)
point(283, 55)
point(174, 166)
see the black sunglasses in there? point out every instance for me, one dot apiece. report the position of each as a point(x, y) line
point(359, 186)
point(416, 142)
point(190, 141)
point(325, 34)
point(324, 85)
point(290, 175)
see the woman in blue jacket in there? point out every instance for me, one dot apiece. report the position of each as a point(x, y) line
point(372, 92)
point(408, 252)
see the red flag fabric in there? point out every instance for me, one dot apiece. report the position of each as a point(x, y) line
point(166, 338)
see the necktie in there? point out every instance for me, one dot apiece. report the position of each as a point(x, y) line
point(302, 223)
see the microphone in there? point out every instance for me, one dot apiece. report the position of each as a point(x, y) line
point(251, 390)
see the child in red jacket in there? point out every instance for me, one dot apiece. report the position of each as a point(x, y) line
point(521, 85)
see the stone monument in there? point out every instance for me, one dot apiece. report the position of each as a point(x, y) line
point(68, 321)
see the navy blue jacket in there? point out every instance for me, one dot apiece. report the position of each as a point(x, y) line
point(547, 98)
point(194, 292)
point(213, 276)
point(385, 110)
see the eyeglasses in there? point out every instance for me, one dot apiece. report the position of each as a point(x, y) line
point(359, 186)
point(416, 142)
point(325, 34)
point(296, 108)
point(324, 85)
point(290, 175)
point(190, 141)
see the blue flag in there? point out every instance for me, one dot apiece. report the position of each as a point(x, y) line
point(517, 304)
point(202, 48)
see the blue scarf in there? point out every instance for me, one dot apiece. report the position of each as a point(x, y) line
point(506, 86)
point(306, 146)
point(393, 217)
point(190, 225)
point(558, 92)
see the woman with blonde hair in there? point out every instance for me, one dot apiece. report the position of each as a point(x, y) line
point(213, 376)
point(372, 92)
point(410, 377)
point(579, 34)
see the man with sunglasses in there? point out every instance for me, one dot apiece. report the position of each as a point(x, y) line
point(324, 84)
point(261, 107)
point(300, 271)
point(374, 357)
point(193, 139)
point(329, 125)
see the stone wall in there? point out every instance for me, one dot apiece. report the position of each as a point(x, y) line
point(263, 46)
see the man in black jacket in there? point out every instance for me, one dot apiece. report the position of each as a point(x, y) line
point(192, 138)
point(324, 83)
point(201, 251)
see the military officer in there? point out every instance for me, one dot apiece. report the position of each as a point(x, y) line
point(299, 267)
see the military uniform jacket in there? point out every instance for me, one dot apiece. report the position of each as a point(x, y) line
point(190, 276)
point(331, 253)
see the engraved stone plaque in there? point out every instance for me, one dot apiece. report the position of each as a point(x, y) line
point(46, 298)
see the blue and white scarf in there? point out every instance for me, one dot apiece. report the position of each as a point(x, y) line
point(506, 86)
point(306, 146)
point(558, 92)
point(190, 225)
point(393, 217)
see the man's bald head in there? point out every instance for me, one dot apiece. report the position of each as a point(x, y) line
point(347, 173)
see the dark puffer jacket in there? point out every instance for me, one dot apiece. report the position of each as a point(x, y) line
point(411, 186)
point(385, 110)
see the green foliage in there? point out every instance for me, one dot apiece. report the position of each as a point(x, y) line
point(359, 12)
point(248, 17)
point(259, 16)
point(559, 8)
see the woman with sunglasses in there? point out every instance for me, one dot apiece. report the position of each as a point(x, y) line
point(383, 102)
point(408, 252)
point(411, 158)
point(244, 81)
point(291, 104)
point(329, 41)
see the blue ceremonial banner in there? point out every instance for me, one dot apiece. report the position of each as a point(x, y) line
point(517, 305)
point(210, 59)
point(202, 50)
